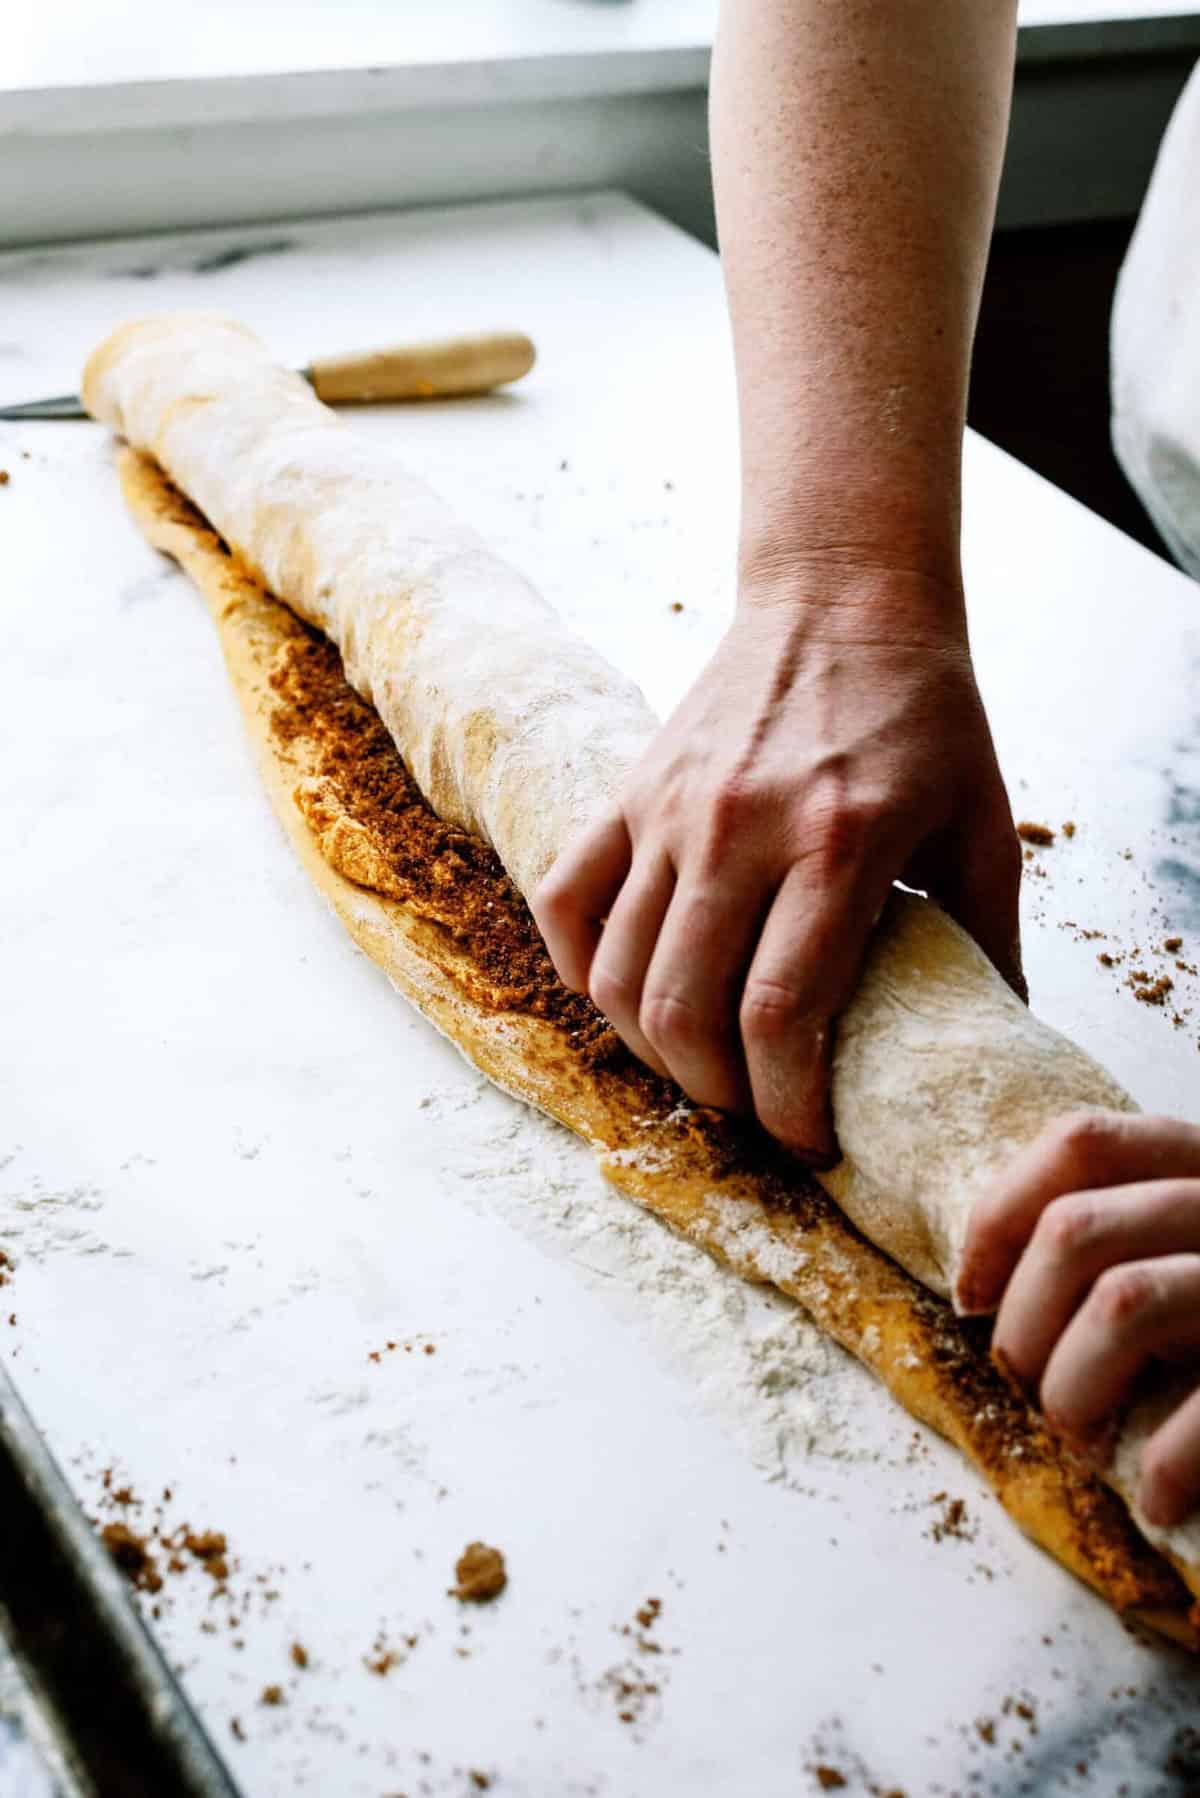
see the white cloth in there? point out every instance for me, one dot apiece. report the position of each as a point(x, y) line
point(1156, 341)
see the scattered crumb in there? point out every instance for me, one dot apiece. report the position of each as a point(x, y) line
point(210, 1549)
point(271, 1695)
point(235, 1724)
point(1150, 992)
point(677, 605)
point(299, 1654)
point(1068, 828)
point(1173, 945)
point(953, 1520)
point(132, 1556)
point(985, 1729)
point(1106, 960)
point(828, 1778)
point(481, 1574)
point(481, 1781)
point(1040, 834)
point(4, 477)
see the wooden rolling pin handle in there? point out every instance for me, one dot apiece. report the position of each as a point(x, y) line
point(424, 371)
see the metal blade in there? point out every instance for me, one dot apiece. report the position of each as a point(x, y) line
point(66, 405)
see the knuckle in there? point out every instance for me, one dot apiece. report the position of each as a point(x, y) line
point(610, 993)
point(732, 799)
point(669, 1022)
point(1122, 1296)
point(838, 827)
point(1078, 1140)
point(768, 1011)
point(1066, 1226)
point(554, 899)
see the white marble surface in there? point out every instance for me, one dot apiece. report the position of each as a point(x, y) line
point(232, 1164)
point(75, 65)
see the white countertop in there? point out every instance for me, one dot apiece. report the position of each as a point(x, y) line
point(85, 65)
point(234, 1166)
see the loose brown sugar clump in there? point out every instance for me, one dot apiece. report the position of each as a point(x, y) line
point(480, 1573)
point(1038, 834)
point(132, 1556)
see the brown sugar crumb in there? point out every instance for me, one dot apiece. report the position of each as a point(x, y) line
point(1173, 945)
point(299, 1654)
point(1150, 992)
point(4, 477)
point(5, 1269)
point(132, 1556)
point(985, 1729)
point(650, 1612)
point(481, 1781)
point(271, 1695)
point(1068, 828)
point(677, 605)
point(1105, 959)
point(953, 1520)
point(828, 1778)
point(481, 1574)
point(210, 1549)
point(235, 1725)
point(430, 1348)
point(1039, 834)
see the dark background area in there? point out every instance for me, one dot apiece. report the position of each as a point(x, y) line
point(1039, 385)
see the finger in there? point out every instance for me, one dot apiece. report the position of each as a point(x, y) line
point(979, 884)
point(1076, 1239)
point(577, 894)
point(690, 998)
point(627, 942)
point(1076, 1153)
point(802, 976)
point(1169, 1490)
point(1139, 1311)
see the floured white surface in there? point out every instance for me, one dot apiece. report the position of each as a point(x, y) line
point(236, 1167)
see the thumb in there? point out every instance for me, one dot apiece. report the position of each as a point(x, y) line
point(980, 887)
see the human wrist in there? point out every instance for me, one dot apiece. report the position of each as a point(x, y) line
point(873, 588)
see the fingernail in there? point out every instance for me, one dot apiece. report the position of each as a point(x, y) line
point(819, 1160)
point(975, 1298)
point(1093, 1446)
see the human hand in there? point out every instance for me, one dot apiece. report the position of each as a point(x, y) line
point(719, 914)
point(1092, 1236)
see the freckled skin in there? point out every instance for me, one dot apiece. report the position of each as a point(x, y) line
point(719, 914)
point(836, 742)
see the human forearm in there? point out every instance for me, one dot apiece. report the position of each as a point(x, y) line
point(856, 154)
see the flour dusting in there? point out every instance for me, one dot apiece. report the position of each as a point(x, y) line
point(780, 1388)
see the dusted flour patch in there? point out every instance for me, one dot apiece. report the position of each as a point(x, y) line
point(778, 1387)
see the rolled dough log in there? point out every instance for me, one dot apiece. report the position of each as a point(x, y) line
point(521, 733)
point(749, 1206)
